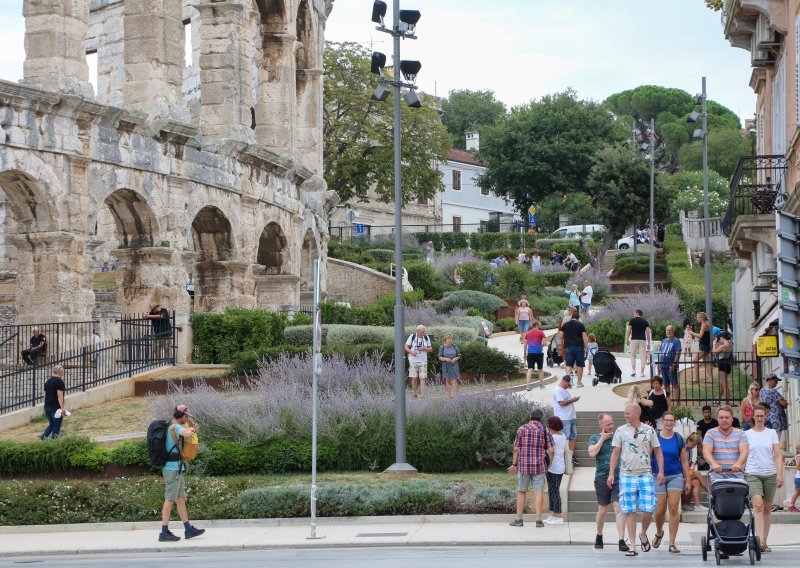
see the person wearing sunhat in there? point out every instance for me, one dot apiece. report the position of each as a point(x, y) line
point(771, 395)
point(174, 473)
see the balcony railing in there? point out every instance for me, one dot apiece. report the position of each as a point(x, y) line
point(758, 187)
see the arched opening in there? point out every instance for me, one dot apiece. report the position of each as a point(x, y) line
point(273, 14)
point(27, 199)
point(304, 54)
point(133, 218)
point(306, 261)
point(271, 249)
point(211, 233)
point(214, 248)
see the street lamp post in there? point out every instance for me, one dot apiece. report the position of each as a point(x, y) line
point(652, 206)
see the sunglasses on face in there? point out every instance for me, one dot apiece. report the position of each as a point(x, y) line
point(636, 434)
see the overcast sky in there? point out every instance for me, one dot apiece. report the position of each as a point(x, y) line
point(523, 49)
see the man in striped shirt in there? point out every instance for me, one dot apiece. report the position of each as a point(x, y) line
point(725, 448)
point(532, 445)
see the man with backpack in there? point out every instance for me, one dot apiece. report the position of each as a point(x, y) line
point(174, 469)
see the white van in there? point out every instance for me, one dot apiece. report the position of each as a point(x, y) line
point(574, 231)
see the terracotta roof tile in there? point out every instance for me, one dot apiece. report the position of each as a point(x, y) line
point(457, 155)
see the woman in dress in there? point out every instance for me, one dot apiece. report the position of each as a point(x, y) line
point(704, 347)
point(749, 404)
point(723, 351)
point(636, 396)
point(556, 470)
point(522, 316)
point(660, 399)
point(764, 472)
point(450, 355)
point(676, 481)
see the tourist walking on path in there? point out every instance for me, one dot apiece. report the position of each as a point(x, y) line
point(558, 468)
point(773, 397)
point(723, 355)
point(638, 338)
point(661, 402)
point(522, 317)
point(54, 403)
point(725, 448)
point(703, 347)
point(576, 346)
point(450, 355)
point(764, 472)
point(676, 481)
point(586, 296)
point(668, 357)
point(564, 408)
point(535, 339)
point(600, 449)
point(634, 445)
point(418, 345)
point(533, 446)
point(636, 396)
point(749, 404)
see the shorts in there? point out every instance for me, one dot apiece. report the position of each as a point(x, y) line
point(635, 491)
point(585, 307)
point(174, 485)
point(724, 367)
point(574, 356)
point(524, 325)
point(763, 485)
point(570, 429)
point(797, 483)
point(670, 377)
point(605, 494)
point(703, 348)
point(525, 481)
point(535, 359)
point(638, 345)
point(671, 483)
point(418, 370)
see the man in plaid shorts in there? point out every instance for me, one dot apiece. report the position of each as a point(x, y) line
point(532, 445)
point(634, 444)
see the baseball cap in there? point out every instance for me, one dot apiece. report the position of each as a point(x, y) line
point(567, 378)
point(773, 377)
point(183, 408)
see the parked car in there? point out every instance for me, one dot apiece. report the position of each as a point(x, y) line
point(574, 231)
point(627, 242)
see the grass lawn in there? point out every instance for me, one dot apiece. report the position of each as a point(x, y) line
point(722, 275)
point(105, 281)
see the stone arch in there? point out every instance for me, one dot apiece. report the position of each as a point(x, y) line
point(212, 235)
point(136, 224)
point(272, 249)
point(273, 15)
point(30, 200)
point(305, 25)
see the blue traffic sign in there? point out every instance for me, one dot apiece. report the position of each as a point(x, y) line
point(360, 229)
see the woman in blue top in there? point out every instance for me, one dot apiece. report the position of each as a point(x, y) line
point(676, 480)
point(574, 296)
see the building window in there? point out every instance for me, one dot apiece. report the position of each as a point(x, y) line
point(484, 190)
point(422, 201)
point(456, 224)
point(484, 226)
point(456, 180)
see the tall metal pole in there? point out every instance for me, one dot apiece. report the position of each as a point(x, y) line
point(652, 206)
point(399, 464)
point(707, 253)
point(315, 371)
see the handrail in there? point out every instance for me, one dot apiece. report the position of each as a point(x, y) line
point(758, 187)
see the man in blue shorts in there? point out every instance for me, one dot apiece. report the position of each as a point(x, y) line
point(669, 354)
point(576, 346)
point(634, 444)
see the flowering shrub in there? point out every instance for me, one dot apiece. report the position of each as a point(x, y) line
point(662, 306)
point(486, 303)
point(334, 334)
point(446, 263)
point(601, 285)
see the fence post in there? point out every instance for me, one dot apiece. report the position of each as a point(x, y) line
point(759, 380)
point(174, 341)
point(84, 361)
point(33, 384)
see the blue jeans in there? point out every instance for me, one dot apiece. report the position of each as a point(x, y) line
point(54, 426)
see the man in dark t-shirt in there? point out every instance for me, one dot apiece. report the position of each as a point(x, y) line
point(38, 345)
point(706, 423)
point(638, 339)
point(576, 345)
point(54, 402)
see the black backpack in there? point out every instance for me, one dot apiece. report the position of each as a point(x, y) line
point(157, 443)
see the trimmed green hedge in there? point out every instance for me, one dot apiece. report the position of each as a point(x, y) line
point(486, 303)
point(43, 457)
point(607, 332)
point(479, 241)
point(219, 338)
point(335, 334)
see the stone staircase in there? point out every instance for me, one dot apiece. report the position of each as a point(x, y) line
point(608, 261)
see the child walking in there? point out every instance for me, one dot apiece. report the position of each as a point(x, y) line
point(593, 347)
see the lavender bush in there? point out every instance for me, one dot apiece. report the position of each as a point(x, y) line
point(663, 306)
point(446, 263)
point(600, 282)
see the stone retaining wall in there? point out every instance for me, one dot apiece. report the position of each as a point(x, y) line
point(355, 284)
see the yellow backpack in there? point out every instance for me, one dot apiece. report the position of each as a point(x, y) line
point(188, 449)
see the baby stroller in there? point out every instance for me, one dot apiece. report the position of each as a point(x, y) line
point(554, 357)
point(605, 365)
point(728, 500)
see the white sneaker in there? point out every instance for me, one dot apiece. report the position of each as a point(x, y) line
point(554, 521)
point(548, 520)
point(641, 374)
point(700, 508)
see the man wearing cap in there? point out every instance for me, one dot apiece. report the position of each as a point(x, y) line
point(175, 477)
point(564, 408)
point(777, 404)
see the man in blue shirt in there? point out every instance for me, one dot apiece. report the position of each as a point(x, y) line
point(669, 355)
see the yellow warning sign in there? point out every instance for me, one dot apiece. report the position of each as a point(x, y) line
point(767, 346)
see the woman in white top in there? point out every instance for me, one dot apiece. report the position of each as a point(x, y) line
point(763, 471)
point(556, 470)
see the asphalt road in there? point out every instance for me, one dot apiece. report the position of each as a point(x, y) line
point(374, 557)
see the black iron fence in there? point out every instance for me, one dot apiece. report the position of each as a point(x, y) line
point(710, 380)
point(88, 361)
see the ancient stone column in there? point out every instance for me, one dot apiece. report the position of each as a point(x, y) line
point(151, 274)
point(221, 284)
point(276, 292)
point(309, 119)
point(154, 40)
point(276, 100)
point(55, 58)
point(54, 278)
point(226, 77)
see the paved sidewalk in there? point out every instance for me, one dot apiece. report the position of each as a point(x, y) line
point(444, 530)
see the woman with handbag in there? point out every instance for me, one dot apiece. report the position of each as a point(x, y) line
point(723, 355)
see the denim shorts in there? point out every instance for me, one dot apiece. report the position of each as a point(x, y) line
point(525, 481)
point(797, 483)
point(671, 483)
point(670, 377)
point(574, 356)
point(570, 429)
point(524, 325)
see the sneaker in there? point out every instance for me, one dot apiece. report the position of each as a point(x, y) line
point(575, 461)
point(623, 547)
point(555, 521)
point(579, 386)
point(548, 519)
point(687, 507)
point(700, 508)
point(598, 542)
point(539, 524)
point(794, 509)
point(776, 507)
point(193, 532)
point(633, 374)
point(516, 523)
point(168, 537)
point(641, 374)
point(528, 387)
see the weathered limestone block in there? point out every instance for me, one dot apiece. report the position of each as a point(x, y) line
point(151, 274)
point(224, 284)
point(275, 291)
point(309, 118)
point(275, 105)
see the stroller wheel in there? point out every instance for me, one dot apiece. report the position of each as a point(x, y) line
point(717, 556)
point(752, 555)
point(757, 548)
point(595, 381)
point(704, 548)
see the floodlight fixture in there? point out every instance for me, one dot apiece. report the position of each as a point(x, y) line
point(693, 116)
point(381, 93)
point(408, 20)
point(409, 69)
point(644, 146)
point(698, 134)
point(378, 11)
point(378, 62)
point(698, 99)
point(412, 99)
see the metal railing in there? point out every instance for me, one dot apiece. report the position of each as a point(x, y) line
point(88, 362)
point(758, 187)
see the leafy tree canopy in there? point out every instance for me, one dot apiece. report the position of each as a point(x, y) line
point(545, 148)
point(358, 145)
point(468, 111)
point(683, 181)
point(725, 147)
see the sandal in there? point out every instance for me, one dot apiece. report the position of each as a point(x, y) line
point(674, 549)
point(644, 543)
point(631, 553)
point(657, 540)
point(765, 548)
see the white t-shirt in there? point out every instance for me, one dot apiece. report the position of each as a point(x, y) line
point(416, 342)
point(522, 257)
point(559, 448)
point(564, 412)
point(760, 457)
point(587, 295)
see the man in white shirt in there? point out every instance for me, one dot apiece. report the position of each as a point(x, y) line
point(586, 296)
point(417, 346)
point(564, 408)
